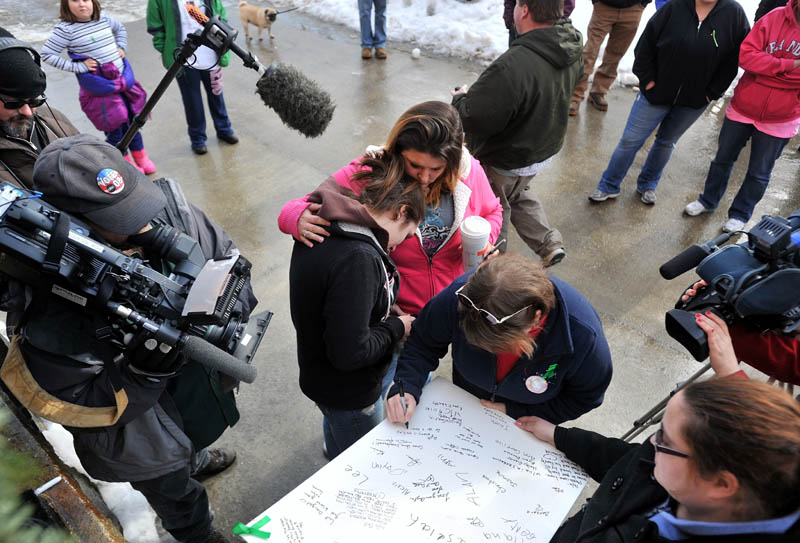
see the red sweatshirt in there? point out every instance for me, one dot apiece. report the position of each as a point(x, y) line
point(769, 90)
point(774, 354)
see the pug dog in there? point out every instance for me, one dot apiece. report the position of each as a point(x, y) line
point(261, 17)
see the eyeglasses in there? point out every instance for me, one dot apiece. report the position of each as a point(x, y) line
point(657, 443)
point(489, 317)
point(12, 103)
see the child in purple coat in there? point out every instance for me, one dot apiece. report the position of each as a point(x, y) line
point(109, 93)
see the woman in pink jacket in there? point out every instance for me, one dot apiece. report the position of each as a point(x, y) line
point(765, 109)
point(425, 144)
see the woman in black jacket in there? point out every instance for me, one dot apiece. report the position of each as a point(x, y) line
point(341, 293)
point(686, 57)
point(724, 466)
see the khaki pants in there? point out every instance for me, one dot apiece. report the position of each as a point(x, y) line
point(525, 212)
point(620, 26)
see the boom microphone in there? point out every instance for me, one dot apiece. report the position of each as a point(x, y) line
point(300, 102)
point(689, 258)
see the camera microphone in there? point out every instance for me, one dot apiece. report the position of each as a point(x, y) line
point(689, 258)
point(300, 103)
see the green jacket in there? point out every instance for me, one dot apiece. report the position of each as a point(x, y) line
point(164, 23)
point(515, 114)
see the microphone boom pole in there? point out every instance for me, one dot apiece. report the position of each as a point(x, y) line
point(217, 35)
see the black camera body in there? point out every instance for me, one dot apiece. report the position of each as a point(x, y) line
point(757, 282)
point(193, 308)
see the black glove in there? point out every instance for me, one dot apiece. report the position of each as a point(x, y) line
point(149, 356)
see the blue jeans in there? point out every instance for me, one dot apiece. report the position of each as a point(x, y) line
point(765, 150)
point(115, 136)
point(341, 428)
point(189, 82)
point(672, 122)
point(368, 38)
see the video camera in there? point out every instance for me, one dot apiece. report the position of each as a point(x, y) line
point(193, 309)
point(757, 282)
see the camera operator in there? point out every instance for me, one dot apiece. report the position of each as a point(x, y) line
point(723, 467)
point(772, 353)
point(175, 407)
point(25, 127)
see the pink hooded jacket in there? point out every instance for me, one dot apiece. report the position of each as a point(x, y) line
point(769, 90)
point(420, 277)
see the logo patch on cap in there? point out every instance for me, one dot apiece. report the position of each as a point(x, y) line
point(110, 181)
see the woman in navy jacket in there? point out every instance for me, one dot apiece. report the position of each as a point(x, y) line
point(524, 342)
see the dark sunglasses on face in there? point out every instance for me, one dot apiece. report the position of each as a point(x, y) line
point(13, 103)
point(657, 443)
point(489, 317)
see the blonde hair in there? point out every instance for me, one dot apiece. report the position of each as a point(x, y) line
point(503, 285)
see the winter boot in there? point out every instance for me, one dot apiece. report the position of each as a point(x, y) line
point(143, 161)
point(129, 159)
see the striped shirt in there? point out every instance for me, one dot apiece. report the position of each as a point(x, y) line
point(97, 40)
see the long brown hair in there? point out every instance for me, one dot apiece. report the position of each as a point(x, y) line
point(67, 16)
point(503, 285)
point(430, 127)
point(404, 198)
point(752, 430)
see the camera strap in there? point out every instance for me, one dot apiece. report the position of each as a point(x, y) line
point(55, 248)
point(19, 380)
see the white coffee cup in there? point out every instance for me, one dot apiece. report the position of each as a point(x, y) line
point(475, 232)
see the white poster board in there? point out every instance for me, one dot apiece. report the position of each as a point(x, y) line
point(460, 473)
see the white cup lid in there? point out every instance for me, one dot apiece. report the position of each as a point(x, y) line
point(475, 226)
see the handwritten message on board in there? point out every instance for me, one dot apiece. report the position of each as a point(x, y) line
point(460, 473)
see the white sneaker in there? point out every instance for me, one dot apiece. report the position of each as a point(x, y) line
point(696, 208)
point(733, 225)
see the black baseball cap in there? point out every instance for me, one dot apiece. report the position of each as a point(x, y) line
point(86, 176)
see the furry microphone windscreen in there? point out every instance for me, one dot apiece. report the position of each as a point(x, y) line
point(299, 102)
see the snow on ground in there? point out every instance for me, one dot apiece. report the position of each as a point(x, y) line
point(471, 29)
point(129, 506)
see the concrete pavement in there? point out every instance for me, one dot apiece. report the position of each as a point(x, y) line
point(614, 249)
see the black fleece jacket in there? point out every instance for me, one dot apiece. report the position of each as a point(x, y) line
point(515, 114)
point(338, 292)
point(690, 66)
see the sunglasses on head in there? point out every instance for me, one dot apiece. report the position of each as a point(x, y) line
point(13, 103)
point(489, 317)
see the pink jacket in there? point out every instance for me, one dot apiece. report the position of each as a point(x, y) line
point(769, 90)
point(422, 278)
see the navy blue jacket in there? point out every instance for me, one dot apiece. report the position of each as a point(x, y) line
point(572, 338)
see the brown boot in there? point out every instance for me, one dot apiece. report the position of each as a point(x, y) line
point(573, 109)
point(598, 101)
point(366, 52)
point(380, 53)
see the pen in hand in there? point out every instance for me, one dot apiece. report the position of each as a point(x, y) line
point(402, 398)
point(496, 248)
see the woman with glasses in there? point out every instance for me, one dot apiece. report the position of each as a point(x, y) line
point(723, 467)
point(523, 342)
